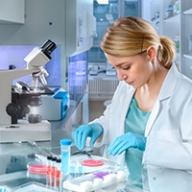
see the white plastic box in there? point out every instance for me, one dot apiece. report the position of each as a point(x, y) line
point(96, 180)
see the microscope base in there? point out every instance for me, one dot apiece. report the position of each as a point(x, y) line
point(24, 131)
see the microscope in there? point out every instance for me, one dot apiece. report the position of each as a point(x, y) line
point(19, 118)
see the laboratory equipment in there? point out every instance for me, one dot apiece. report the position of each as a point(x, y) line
point(96, 180)
point(57, 102)
point(92, 162)
point(65, 155)
point(57, 174)
point(37, 167)
point(19, 119)
point(77, 167)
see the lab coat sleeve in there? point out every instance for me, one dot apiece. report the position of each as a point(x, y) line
point(172, 153)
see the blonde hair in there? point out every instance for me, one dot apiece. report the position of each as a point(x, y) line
point(131, 35)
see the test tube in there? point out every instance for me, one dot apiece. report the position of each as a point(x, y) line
point(49, 157)
point(65, 156)
point(79, 168)
point(48, 176)
point(57, 175)
point(51, 170)
point(73, 169)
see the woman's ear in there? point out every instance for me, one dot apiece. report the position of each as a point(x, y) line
point(152, 52)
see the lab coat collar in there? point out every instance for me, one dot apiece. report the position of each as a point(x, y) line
point(169, 83)
point(165, 93)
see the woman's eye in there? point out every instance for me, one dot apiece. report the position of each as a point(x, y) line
point(126, 68)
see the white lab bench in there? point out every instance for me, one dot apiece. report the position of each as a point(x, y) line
point(15, 156)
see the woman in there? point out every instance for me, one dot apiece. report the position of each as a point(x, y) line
point(149, 120)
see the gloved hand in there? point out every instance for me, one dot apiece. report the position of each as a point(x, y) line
point(80, 134)
point(126, 141)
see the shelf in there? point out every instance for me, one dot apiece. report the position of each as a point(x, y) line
point(177, 27)
point(188, 56)
point(156, 21)
point(175, 18)
point(189, 11)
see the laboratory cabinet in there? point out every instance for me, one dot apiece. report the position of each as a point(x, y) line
point(12, 11)
point(173, 19)
point(80, 26)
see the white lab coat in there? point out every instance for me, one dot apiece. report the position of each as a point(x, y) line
point(168, 151)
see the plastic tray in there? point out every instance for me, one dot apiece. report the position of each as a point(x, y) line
point(96, 180)
point(32, 187)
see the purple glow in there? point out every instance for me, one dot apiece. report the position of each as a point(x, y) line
point(13, 56)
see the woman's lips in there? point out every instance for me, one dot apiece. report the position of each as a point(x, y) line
point(130, 83)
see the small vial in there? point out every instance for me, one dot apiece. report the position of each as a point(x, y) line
point(49, 157)
point(58, 164)
point(65, 155)
point(51, 171)
point(48, 176)
point(73, 169)
point(53, 160)
point(57, 174)
point(53, 168)
point(79, 168)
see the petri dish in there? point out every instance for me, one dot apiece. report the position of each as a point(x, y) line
point(92, 162)
point(37, 167)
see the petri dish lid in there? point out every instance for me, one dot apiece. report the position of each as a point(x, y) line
point(37, 167)
point(92, 162)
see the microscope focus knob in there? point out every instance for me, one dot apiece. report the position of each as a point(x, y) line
point(13, 109)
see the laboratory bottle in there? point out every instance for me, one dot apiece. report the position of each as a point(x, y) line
point(65, 155)
point(49, 170)
point(57, 175)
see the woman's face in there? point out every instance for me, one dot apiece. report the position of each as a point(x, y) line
point(135, 70)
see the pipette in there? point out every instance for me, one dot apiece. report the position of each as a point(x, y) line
point(41, 148)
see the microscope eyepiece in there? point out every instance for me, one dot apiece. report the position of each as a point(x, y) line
point(48, 47)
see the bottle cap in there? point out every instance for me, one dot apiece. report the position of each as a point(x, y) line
point(53, 158)
point(65, 142)
point(49, 157)
point(58, 160)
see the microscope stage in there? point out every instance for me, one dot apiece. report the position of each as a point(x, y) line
point(24, 132)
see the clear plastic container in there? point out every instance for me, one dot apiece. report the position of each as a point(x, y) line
point(37, 167)
point(65, 155)
point(96, 180)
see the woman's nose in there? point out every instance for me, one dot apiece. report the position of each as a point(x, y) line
point(121, 76)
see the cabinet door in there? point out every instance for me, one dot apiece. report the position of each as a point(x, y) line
point(12, 11)
point(80, 26)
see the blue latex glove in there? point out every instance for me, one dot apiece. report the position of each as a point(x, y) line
point(80, 134)
point(126, 141)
